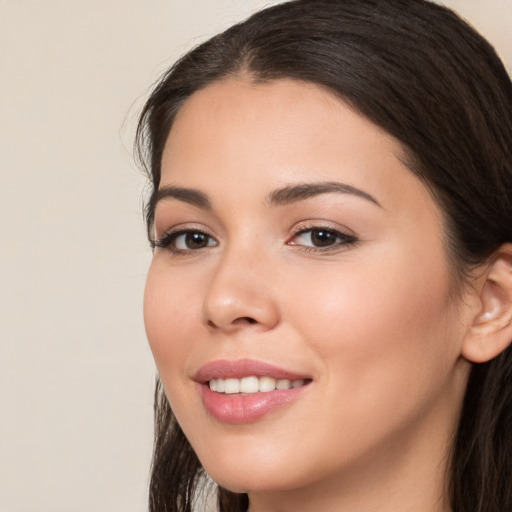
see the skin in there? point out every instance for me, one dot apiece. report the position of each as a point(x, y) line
point(374, 323)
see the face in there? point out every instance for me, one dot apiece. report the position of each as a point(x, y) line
point(300, 272)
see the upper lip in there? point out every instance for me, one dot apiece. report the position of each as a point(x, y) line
point(237, 369)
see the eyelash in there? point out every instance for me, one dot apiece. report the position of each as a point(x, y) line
point(168, 240)
point(345, 240)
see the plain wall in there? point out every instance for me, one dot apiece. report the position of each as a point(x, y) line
point(76, 375)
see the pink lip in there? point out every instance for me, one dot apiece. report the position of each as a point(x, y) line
point(239, 408)
point(225, 369)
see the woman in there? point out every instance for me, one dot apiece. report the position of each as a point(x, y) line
point(330, 299)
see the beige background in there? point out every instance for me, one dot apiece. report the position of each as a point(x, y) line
point(76, 375)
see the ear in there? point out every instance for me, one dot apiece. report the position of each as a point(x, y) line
point(491, 330)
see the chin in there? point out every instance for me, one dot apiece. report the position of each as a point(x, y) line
point(243, 472)
point(254, 479)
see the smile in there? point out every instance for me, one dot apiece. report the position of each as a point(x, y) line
point(253, 384)
point(244, 391)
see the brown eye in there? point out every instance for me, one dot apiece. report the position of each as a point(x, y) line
point(322, 238)
point(192, 240)
point(186, 241)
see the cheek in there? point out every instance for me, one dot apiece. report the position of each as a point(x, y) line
point(382, 328)
point(170, 311)
point(171, 316)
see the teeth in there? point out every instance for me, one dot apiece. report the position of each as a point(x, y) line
point(283, 384)
point(221, 385)
point(231, 386)
point(249, 385)
point(252, 384)
point(267, 384)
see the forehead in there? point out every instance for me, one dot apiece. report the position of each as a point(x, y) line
point(267, 135)
point(289, 107)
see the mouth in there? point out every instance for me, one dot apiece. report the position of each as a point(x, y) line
point(254, 384)
point(244, 391)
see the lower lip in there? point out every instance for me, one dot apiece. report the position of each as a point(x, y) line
point(238, 409)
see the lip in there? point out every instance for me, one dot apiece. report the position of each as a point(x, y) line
point(237, 369)
point(240, 408)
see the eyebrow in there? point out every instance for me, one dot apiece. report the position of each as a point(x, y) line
point(302, 191)
point(187, 195)
point(280, 197)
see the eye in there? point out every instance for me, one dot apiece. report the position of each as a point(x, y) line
point(322, 238)
point(185, 240)
point(192, 240)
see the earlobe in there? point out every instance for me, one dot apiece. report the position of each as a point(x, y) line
point(491, 330)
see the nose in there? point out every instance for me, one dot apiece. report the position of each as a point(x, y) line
point(240, 295)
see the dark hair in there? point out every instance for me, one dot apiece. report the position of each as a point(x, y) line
point(418, 71)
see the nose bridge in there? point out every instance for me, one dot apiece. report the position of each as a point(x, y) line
point(240, 291)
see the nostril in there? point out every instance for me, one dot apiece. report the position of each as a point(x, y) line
point(246, 319)
point(238, 321)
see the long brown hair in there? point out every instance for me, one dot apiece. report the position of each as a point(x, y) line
point(421, 73)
